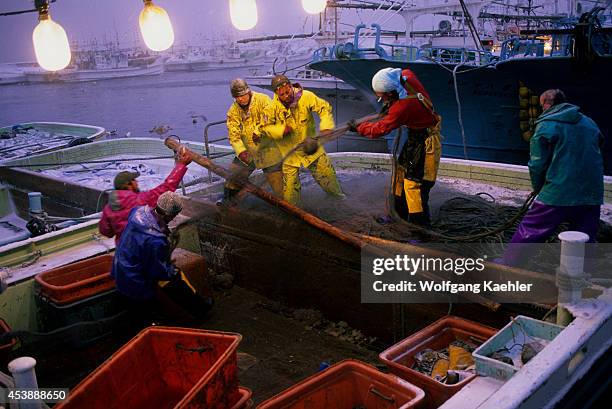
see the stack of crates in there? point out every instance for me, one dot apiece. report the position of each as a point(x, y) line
point(77, 292)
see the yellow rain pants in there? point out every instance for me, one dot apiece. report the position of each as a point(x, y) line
point(323, 173)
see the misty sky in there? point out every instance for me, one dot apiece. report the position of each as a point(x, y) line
point(85, 20)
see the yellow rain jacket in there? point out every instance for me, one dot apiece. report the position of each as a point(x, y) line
point(299, 117)
point(243, 124)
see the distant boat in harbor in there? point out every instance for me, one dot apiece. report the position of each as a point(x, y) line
point(310, 79)
point(98, 65)
point(77, 75)
point(196, 58)
point(13, 73)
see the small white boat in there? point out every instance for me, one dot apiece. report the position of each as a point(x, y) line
point(80, 75)
point(13, 73)
point(309, 79)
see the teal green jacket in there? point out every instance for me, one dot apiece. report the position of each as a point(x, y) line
point(566, 164)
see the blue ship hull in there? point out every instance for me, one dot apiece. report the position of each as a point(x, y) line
point(489, 102)
point(489, 98)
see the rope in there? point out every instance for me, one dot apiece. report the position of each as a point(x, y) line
point(459, 112)
point(288, 69)
point(470, 226)
point(475, 218)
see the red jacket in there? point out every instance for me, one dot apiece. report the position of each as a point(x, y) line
point(121, 202)
point(408, 111)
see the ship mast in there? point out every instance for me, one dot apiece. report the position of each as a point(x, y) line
point(470, 22)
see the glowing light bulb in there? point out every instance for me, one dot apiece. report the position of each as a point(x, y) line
point(314, 6)
point(243, 14)
point(50, 44)
point(155, 27)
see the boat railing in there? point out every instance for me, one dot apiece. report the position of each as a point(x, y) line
point(400, 52)
point(452, 55)
point(208, 141)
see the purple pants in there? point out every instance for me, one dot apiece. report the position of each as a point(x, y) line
point(541, 220)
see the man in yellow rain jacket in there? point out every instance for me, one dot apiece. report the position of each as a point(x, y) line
point(253, 150)
point(291, 123)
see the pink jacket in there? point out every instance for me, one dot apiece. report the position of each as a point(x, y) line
point(121, 202)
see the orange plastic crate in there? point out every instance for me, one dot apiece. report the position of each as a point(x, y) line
point(164, 367)
point(77, 281)
point(347, 385)
point(399, 358)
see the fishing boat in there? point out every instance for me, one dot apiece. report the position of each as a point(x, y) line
point(32, 138)
point(97, 64)
point(313, 80)
point(13, 73)
point(478, 92)
point(325, 276)
point(218, 57)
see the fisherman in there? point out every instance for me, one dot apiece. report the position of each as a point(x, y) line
point(291, 124)
point(253, 149)
point(566, 170)
point(142, 263)
point(407, 103)
point(127, 196)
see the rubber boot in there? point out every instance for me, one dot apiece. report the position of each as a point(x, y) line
point(420, 219)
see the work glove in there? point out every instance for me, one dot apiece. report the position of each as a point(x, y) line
point(352, 125)
point(245, 157)
point(287, 130)
point(256, 138)
point(310, 145)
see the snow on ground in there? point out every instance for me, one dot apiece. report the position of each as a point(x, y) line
point(101, 175)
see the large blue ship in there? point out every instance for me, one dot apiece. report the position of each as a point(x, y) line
point(489, 101)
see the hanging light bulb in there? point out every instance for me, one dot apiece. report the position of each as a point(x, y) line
point(243, 14)
point(314, 6)
point(155, 27)
point(50, 41)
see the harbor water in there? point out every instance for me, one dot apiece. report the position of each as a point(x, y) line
point(133, 106)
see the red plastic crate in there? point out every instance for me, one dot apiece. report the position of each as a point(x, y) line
point(399, 358)
point(77, 281)
point(6, 348)
point(347, 385)
point(164, 367)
